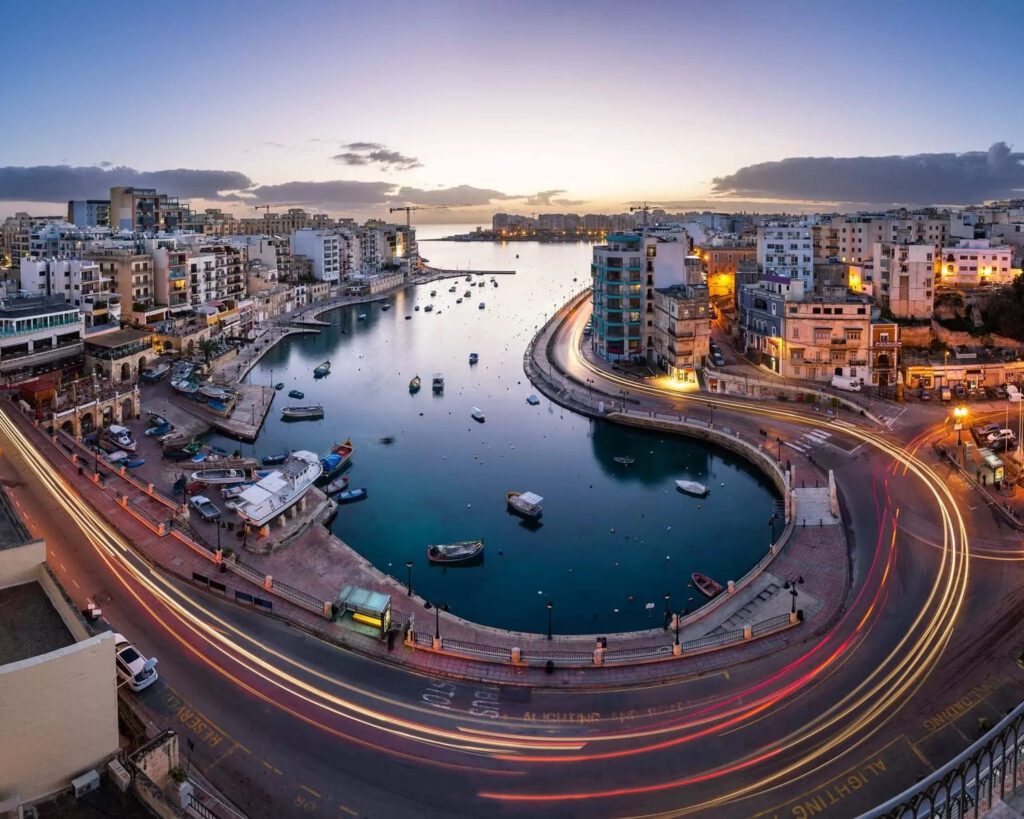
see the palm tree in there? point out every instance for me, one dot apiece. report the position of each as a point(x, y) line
point(207, 347)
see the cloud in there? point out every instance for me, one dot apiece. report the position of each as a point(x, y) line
point(56, 183)
point(568, 203)
point(542, 197)
point(373, 153)
point(458, 195)
point(337, 193)
point(917, 179)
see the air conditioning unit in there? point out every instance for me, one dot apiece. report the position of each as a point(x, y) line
point(87, 782)
point(119, 775)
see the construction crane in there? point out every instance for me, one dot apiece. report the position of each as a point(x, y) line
point(644, 208)
point(410, 208)
point(266, 208)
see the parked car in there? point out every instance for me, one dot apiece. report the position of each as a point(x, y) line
point(1001, 435)
point(717, 359)
point(988, 429)
point(133, 669)
point(945, 394)
point(1012, 393)
point(1002, 445)
point(959, 392)
point(998, 392)
point(205, 507)
point(926, 394)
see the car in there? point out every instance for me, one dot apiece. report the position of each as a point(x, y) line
point(926, 395)
point(988, 429)
point(1013, 394)
point(204, 506)
point(960, 392)
point(945, 394)
point(133, 669)
point(1001, 435)
point(1002, 445)
point(717, 359)
point(998, 392)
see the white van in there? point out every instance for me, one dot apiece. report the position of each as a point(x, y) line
point(847, 382)
point(1012, 393)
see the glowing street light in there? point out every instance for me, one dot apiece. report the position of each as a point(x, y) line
point(959, 414)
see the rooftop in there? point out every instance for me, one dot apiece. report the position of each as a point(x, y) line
point(116, 338)
point(29, 306)
point(29, 624)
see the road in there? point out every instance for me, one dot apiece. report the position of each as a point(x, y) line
point(288, 725)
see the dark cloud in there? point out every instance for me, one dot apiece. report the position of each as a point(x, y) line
point(105, 164)
point(56, 183)
point(568, 203)
point(336, 193)
point(459, 195)
point(542, 197)
point(918, 179)
point(373, 153)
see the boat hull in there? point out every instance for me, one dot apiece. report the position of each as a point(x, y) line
point(455, 553)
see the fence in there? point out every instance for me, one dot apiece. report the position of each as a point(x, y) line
point(201, 809)
point(968, 783)
point(623, 655)
point(770, 624)
point(462, 647)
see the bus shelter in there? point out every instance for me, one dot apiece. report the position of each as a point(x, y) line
point(366, 607)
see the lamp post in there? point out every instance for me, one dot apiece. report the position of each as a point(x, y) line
point(959, 414)
point(665, 626)
point(408, 582)
point(679, 621)
point(550, 606)
point(791, 585)
point(712, 415)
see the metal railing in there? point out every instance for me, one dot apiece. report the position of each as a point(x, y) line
point(476, 648)
point(201, 809)
point(770, 624)
point(559, 656)
point(713, 640)
point(621, 655)
point(968, 783)
point(297, 596)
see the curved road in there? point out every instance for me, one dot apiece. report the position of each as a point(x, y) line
point(288, 725)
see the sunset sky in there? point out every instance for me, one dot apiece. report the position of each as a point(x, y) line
point(515, 106)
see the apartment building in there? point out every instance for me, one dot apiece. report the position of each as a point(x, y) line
point(720, 265)
point(762, 307)
point(903, 277)
point(682, 330)
point(79, 282)
point(130, 270)
point(171, 274)
point(973, 262)
point(852, 238)
point(14, 234)
point(823, 337)
point(625, 272)
point(324, 249)
point(786, 250)
point(89, 212)
point(38, 334)
point(145, 211)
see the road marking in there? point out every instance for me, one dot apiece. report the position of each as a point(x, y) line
point(974, 696)
point(310, 790)
point(797, 447)
point(234, 746)
point(917, 752)
point(76, 584)
point(347, 810)
point(211, 733)
point(268, 766)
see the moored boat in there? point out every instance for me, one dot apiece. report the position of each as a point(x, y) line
point(310, 413)
point(481, 305)
point(627, 460)
point(532, 400)
point(706, 585)
point(527, 504)
point(351, 495)
point(185, 387)
point(273, 494)
point(135, 462)
point(296, 394)
point(428, 309)
point(216, 393)
point(414, 384)
point(386, 306)
point(473, 358)
point(120, 436)
point(438, 383)
point(335, 458)
point(433, 293)
point(279, 385)
point(477, 415)
point(361, 317)
point(460, 552)
point(337, 485)
point(229, 492)
point(219, 475)
point(692, 488)
point(322, 369)
point(274, 460)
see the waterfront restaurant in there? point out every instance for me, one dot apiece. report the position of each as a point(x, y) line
point(368, 608)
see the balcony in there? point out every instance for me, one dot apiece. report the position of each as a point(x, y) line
point(11, 361)
point(839, 341)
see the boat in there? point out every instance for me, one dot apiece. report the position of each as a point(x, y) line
point(624, 459)
point(469, 278)
point(278, 491)
point(279, 385)
point(477, 415)
point(468, 294)
point(414, 384)
point(229, 492)
point(692, 488)
point(310, 413)
point(481, 305)
point(216, 393)
point(388, 439)
point(135, 462)
point(532, 400)
point(361, 317)
point(322, 369)
point(386, 306)
point(706, 585)
point(225, 476)
point(433, 293)
point(185, 387)
point(153, 374)
point(199, 457)
point(428, 309)
point(461, 552)
point(335, 458)
point(494, 283)
point(116, 457)
point(438, 383)
point(417, 308)
point(408, 317)
point(337, 485)
point(527, 504)
point(157, 431)
point(120, 436)
point(274, 460)
point(296, 394)
point(216, 406)
point(458, 301)
point(473, 358)
point(350, 495)
point(451, 289)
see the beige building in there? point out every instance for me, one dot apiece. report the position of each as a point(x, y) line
point(904, 278)
point(682, 330)
point(720, 266)
point(133, 279)
point(58, 699)
point(825, 337)
point(974, 262)
point(853, 238)
point(120, 356)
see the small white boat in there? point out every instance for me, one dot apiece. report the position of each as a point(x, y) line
point(461, 552)
point(478, 415)
point(361, 317)
point(481, 305)
point(120, 436)
point(627, 460)
point(185, 387)
point(532, 400)
point(216, 393)
point(320, 370)
point(226, 476)
point(527, 504)
point(309, 413)
point(438, 383)
point(692, 488)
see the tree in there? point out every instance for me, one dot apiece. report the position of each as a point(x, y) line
point(207, 347)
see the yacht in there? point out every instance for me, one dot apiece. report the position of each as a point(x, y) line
point(280, 490)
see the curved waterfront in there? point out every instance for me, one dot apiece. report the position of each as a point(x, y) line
point(614, 538)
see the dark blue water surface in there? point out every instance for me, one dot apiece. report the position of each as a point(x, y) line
point(614, 538)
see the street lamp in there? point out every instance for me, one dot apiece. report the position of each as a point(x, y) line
point(665, 627)
point(679, 621)
point(960, 413)
point(550, 606)
point(408, 582)
point(791, 585)
point(437, 619)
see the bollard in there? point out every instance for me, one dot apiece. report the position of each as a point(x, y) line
point(792, 617)
point(218, 557)
point(747, 633)
point(598, 656)
point(436, 644)
point(516, 655)
point(732, 587)
point(268, 582)
point(677, 650)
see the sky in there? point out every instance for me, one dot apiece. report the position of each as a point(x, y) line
point(517, 106)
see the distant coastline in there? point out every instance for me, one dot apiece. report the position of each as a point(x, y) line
point(548, 236)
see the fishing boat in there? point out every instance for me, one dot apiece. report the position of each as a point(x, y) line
point(296, 394)
point(135, 462)
point(451, 289)
point(706, 585)
point(495, 283)
point(225, 476)
point(477, 415)
point(469, 278)
point(279, 385)
point(361, 317)
point(117, 457)
point(428, 309)
point(153, 374)
point(532, 400)
point(229, 492)
point(311, 413)
point(388, 439)
point(473, 358)
point(322, 369)
point(274, 460)
point(414, 384)
point(337, 485)
point(438, 383)
point(216, 393)
point(270, 496)
point(416, 308)
point(216, 406)
point(120, 436)
point(408, 317)
point(185, 387)
point(692, 488)
point(627, 460)
point(481, 305)
point(527, 504)
point(335, 458)
point(461, 552)
point(350, 495)
point(468, 294)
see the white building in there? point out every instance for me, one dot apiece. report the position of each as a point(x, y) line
point(904, 278)
point(975, 261)
point(324, 250)
point(786, 250)
point(79, 282)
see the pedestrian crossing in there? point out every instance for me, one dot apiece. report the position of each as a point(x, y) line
point(809, 441)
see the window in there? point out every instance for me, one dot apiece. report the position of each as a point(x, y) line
point(815, 310)
point(792, 308)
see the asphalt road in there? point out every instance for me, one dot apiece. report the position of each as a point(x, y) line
point(288, 725)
